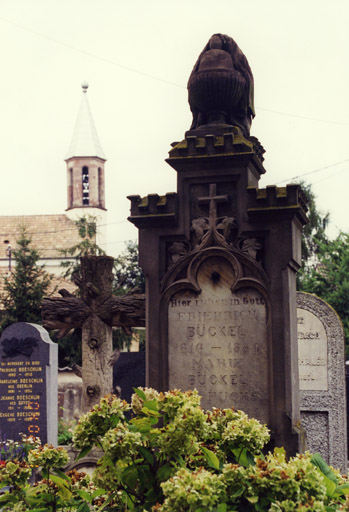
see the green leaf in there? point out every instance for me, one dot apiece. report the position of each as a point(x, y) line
point(62, 475)
point(238, 493)
point(150, 412)
point(146, 455)
point(130, 476)
point(319, 462)
point(83, 507)
point(342, 489)
point(164, 472)
point(222, 507)
point(63, 491)
point(6, 497)
point(108, 500)
point(83, 452)
point(142, 424)
point(330, 486)
point(140, 393)
point(83, 494)
point(243, 457)
point(98, 492)
point(253, 499)
point(151, 404)
point(211, 458)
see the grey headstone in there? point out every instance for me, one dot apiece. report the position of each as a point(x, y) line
point(28, 383)
point(322, 379)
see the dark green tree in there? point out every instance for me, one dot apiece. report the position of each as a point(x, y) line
point(329, 278)
point(128, 274)
point(129, 278)
point(314, 233)
point(25, 288)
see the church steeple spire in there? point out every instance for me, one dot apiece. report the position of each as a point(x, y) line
point(85, 141)
point(85, 163)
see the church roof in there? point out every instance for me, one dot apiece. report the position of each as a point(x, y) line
point(85, 141)
point(50, 234)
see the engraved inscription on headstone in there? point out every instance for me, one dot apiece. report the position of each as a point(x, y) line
point(322, 379)
point(218, 342)
point(312, 352)
point(28, 383)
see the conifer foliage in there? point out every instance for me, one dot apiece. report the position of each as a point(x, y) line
point(25, 288)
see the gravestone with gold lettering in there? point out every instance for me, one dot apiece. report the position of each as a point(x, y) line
point(28, 383)
point(220, 258)
point(322, 379)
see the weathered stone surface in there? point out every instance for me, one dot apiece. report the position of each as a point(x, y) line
point(218, 343)
point(322, 379)
point(219, 212)
point(95, 312)
point(312, 352)
point(28, 383)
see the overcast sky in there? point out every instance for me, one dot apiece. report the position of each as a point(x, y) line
point(137, 56)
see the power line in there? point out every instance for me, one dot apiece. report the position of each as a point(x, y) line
point(89, 54)
point(331, 176)
point(153, 77)
point(306, 118)
point(313, 172)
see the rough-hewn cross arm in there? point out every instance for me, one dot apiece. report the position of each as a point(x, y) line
point(67, 313)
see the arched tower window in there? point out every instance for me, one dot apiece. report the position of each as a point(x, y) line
point(100, 186)
point(70, 188)
point(85, 187)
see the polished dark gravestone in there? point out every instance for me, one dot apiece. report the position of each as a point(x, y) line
point(129, 373)
point(220, 257)
point(28, 383)
point(322, 379)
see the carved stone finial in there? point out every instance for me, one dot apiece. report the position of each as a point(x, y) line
point(221, 86)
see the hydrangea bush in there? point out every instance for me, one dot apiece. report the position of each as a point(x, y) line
point(164, 453)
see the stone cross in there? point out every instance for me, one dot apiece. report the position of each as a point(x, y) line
point(96, 312)
point(213, 199)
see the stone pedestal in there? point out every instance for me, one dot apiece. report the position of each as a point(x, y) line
point(220, 258)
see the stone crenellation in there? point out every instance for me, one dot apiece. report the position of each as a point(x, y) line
point(272, 196)
point(210, 145)
point(153, 208)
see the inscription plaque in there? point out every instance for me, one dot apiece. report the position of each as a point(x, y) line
point(322, 379)
point(28, 383)
point(218, 342)
point(312, 352)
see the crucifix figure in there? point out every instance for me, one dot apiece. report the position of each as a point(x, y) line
point(96, 312)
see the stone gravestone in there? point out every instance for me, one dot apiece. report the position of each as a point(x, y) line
point(322, 379)
point(28, 383)
point(129, 373)
point(218, 342)
point(220, 257)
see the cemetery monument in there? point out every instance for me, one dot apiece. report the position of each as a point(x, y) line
point(220, 258)
point(28, 383)
point(96, 311)
point(322, 379)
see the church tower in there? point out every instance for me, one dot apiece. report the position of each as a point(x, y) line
point(85, 170)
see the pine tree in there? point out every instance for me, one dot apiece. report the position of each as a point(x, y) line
point(25, 288)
